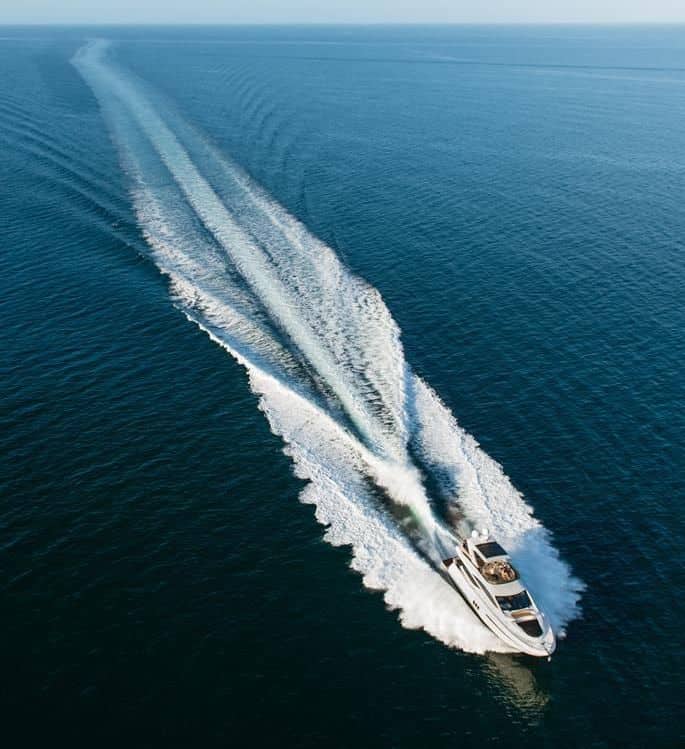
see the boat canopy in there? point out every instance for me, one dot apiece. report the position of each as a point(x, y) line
point(491, 549)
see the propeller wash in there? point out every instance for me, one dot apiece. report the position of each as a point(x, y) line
point(323, 354)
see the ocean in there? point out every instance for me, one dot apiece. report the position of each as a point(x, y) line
point(286, 310)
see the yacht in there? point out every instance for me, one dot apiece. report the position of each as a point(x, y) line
point(490, 584)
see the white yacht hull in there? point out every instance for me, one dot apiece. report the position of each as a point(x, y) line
point(503, 626)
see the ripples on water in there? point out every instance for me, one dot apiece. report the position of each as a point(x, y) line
point(148, 525)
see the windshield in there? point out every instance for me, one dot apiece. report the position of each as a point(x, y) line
point(514, 603)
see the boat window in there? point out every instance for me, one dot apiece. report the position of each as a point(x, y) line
point(514, 603)
point(491, 549)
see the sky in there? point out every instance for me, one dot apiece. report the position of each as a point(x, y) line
point(340, 11)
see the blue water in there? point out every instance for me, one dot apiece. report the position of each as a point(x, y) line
point(265, 292)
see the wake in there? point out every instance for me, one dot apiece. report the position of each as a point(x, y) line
point(324, 356)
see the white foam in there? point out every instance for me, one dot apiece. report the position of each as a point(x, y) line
point(324, 356)
point(335, 465)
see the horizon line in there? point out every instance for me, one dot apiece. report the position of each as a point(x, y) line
point(237, 24)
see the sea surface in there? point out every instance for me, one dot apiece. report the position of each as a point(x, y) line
point(285, 310)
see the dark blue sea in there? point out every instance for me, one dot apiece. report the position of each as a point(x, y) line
point(284, 311)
